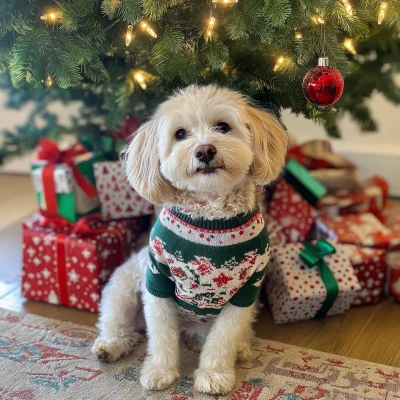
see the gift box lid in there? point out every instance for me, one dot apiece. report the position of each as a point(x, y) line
point(360, 229)
point(301, 179)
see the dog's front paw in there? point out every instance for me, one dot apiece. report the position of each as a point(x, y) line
point(214, 382)
point(156, 377)
point(110, 350)
point(244, 352)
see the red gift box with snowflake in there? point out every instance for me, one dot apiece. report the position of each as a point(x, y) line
point(306, 281)
point(370, 266)
point(117, 199)
point(69, 264)
point(393, 262)
point(344, 204)
point(358, 229)
point(293, 213)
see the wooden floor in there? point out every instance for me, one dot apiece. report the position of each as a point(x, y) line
point(368, 333)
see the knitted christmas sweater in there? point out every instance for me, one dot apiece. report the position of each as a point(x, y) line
point(204, 264)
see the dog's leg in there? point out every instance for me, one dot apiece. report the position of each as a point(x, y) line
point(216, 374)
point(160, 368)
point(244, 347)
point(120, 310)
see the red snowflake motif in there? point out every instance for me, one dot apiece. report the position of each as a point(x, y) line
point(194, 286)
point(243, 274)
point(170, 260)
point(203, 266)
point(251, 258)
point(178, 272)
point(158, 246)
point(222, 279)
point(233, 291)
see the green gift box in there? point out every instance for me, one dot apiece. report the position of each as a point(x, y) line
point(72, 201)
point(303, 182)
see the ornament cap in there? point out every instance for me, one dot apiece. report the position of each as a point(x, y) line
point(323, 62)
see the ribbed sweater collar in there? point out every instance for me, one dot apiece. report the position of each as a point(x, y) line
point(216, 224)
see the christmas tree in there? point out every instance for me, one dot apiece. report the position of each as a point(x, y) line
point(120, 56)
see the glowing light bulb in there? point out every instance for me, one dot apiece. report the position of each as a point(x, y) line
point(225, 2)
point(382, 11)
point(48, 81)
point(145, 26)
point(210, 28)
point(51, 16)
point(298, 36)
point(139, 78)
point(349, 45)
point(129, 35)
point(348, 7)
point(318, 20)
point(279, 63)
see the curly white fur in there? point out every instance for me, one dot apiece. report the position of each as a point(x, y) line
point(165, 170)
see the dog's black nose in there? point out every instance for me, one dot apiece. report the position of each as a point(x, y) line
point(205, 153)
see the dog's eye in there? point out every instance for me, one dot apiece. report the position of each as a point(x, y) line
point(222, 127)
point(180, 134)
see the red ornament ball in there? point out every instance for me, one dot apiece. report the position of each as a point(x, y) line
point(323, 86)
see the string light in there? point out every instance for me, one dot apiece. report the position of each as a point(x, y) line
point(225, 2)
point(210, 28)
point(318, 20)
point(298, 36)
point(145, 26)
point(279, 63)
point(139, 78)
point(348, 7)
point(48, 81)
point(382, 11)
point(51, 16)
point(349, 45)
point(129, 35)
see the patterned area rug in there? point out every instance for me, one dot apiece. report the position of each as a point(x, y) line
point(48, 359)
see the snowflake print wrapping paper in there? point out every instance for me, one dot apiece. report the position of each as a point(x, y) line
point(117, 199)
point(61, 267)
point(297, 292)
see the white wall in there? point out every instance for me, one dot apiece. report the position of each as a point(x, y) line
point(375, 153)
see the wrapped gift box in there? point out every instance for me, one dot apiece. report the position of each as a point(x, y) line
point(377, 189)
point(296, 291)
point(391, 216)
point(303, 182)
point(370, 266)
point(359, 229)
point(294, 214)
point(344, 204)
point(318, 154)
point(393, 262)
point(64, 180)
point(275, 231)
point(117, 198)
point(68, 264)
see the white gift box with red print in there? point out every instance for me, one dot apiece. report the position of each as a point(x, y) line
point(297, 292)
point(294, 214)
point(117, 199)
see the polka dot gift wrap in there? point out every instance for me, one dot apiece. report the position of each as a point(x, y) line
point(294, 214)
point(297, 292)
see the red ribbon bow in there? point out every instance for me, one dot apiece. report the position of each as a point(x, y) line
point(49, 151)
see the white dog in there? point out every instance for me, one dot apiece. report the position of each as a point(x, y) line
point(202, 154)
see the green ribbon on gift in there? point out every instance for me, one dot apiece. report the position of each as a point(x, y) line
point(313, 256)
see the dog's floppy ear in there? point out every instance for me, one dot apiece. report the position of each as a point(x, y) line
point(142, 165)
point(270, 144)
